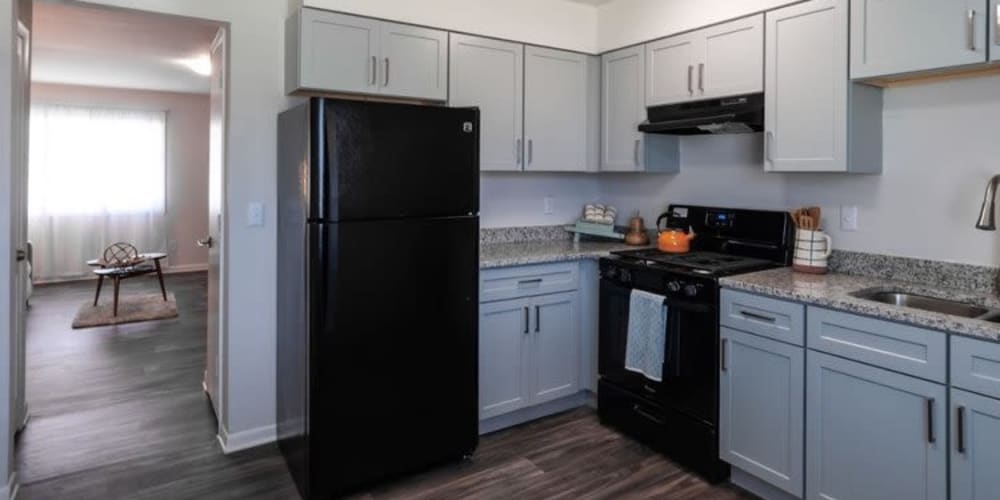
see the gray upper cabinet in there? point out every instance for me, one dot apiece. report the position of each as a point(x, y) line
point(414, 62)
point(503, 356)
point(815, 121)
point(761, 408)
point(556, 336)
point(733, 60)
point(623, 75)
point(975, 456)
point(994, 42)
point(330, 52)
point(901, 36)
point(561, 111)
point(873, 434)
point(489, 74)
point(670, 69)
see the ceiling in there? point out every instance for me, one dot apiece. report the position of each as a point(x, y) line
point(114, 48)
point(595, 3)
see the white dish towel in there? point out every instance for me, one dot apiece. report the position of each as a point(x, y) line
point(645, 346)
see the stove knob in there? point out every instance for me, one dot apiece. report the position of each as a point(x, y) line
point(674, 286)
point(691, 290)
point(625, 275)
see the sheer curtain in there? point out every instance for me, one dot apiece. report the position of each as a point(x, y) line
point(96, 176)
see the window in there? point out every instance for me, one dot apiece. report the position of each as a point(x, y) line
point(90, 161)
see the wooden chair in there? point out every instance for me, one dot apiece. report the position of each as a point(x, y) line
point(122, 261)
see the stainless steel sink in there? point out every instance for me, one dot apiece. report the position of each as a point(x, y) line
point(925, 303)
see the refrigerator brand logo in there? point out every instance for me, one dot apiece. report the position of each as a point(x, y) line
point(467, 127)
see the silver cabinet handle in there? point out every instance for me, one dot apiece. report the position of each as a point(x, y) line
point(758, 317)
point(971, 16)
point(960, 429)
point(635, 153)
point(374, 70)
point(518, 152)
point(722, 355)
point(527, 319)
point(386, 72)
point(538, 319)
point(690, 79)
point(701, 77)
point(768, 146)
point(931, 438)
point(531, 151)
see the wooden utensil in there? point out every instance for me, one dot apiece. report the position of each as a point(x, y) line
point(816, 213)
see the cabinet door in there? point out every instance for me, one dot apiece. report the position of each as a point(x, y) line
point(556, 334)
point(555, 110)
point(975, 456)
point(994, 41)
point(414, 62)
point(806, 78)
point(901, 36)
point(623, 78)
point(338, 53)
point(504, 335)
point(873, 434)
point(733, 61)
point(762, 402)
point(670, 69)
point(488, 73)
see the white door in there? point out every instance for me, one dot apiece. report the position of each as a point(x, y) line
point(555, 110)
point(806, 80)
point(555, 334)
point(21, 110)
point(339, 53)
point(975, 454)
point(670, 69)
point(215, 240)
point(994, 42)
point(504, 330)
point(414, 62)
point(488, 74)
point(624, 108)
point(901, 36)
point(733, 58)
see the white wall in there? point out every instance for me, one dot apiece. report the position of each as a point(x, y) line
point(627, 22)
point(518, 199)
point(187, 156)
point(555, 23)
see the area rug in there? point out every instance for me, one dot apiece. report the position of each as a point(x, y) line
point(131, 309)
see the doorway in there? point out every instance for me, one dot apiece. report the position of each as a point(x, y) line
point(126, 145)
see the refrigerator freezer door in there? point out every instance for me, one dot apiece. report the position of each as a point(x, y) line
point(381, 161)
point(395, 348)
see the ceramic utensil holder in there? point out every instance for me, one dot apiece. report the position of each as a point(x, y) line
point(812, 251)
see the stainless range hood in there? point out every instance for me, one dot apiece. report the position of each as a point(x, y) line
point(728, 115)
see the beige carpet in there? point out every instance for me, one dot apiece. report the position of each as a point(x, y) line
point(131, 309)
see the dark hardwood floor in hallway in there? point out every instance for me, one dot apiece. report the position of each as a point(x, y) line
point(118, 413)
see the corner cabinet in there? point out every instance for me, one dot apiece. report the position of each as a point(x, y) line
point(761, 408)
point(337, 53)
point(975, 455)
point(623, 75)
point(891, 37)
point(815, 119)
point(490, 74)
point(873, 433)
point(561, 114)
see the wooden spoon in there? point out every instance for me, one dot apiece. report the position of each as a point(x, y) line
point(816, 214)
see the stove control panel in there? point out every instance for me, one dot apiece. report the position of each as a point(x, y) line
point(719, 219)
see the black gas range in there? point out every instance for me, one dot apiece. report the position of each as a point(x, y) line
point(679, 414)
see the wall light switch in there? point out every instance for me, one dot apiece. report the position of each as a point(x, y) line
point(848, 218)
point(550, 203)
point(255, 214)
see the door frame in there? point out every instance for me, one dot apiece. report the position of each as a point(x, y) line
point(19, 154)
point(222, 42)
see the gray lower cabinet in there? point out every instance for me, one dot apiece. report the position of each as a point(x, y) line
point(975, 450)
point(873, 434)
point(762, 408)
point(528, 352)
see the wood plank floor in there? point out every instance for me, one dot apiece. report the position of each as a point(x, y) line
point(118, 413)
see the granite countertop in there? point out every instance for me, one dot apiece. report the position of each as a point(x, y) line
point(834, 291)
point(493, 255)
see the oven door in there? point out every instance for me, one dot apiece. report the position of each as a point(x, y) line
point(690, 375)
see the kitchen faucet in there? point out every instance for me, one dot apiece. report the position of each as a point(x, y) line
point(987, 215)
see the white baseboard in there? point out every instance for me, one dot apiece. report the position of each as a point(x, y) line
point(244, 440)
point(185, 268)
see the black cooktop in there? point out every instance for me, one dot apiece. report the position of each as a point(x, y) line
point(707, 263)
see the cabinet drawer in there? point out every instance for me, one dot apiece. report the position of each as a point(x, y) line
point(776, 319)
point(975, 366)
point(526, 281)
point(906, 349)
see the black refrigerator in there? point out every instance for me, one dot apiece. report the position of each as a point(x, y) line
point(378, 291)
